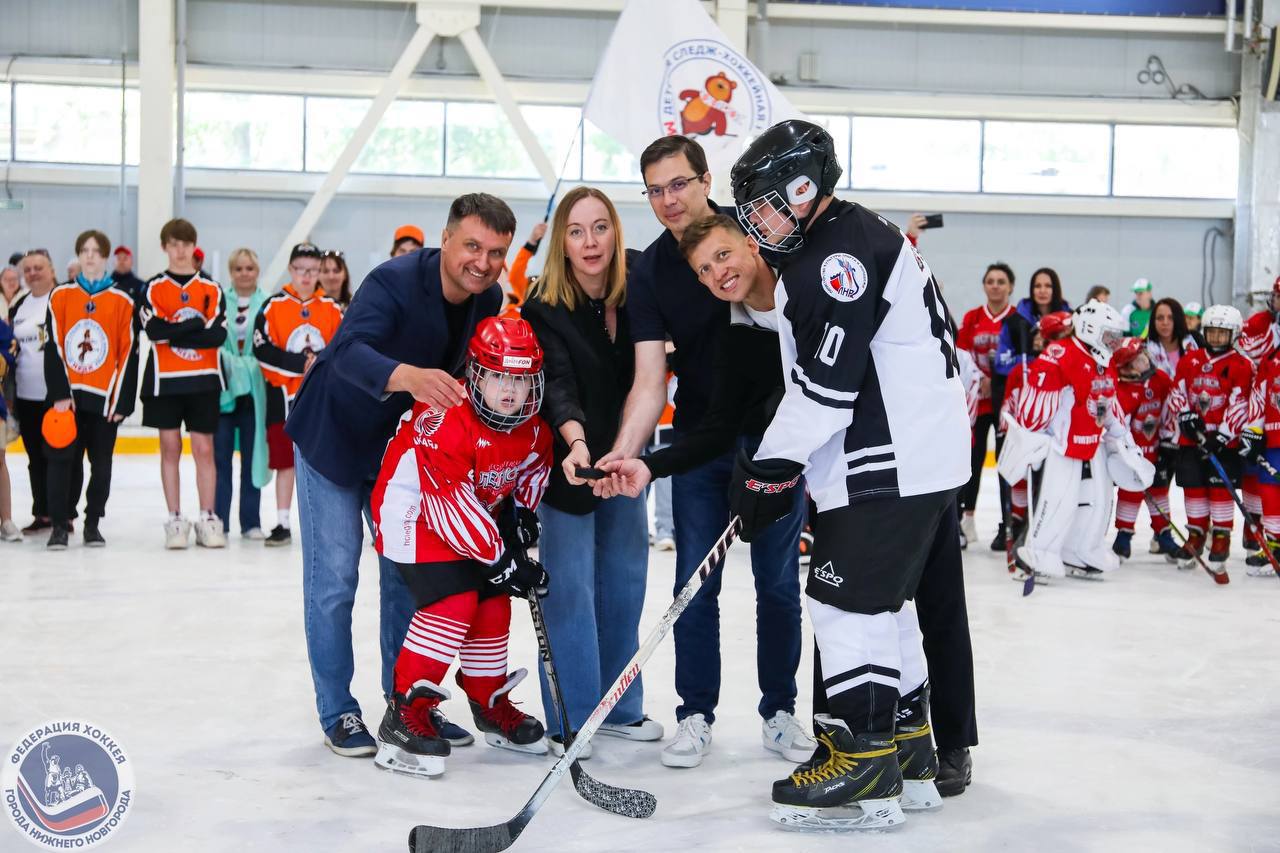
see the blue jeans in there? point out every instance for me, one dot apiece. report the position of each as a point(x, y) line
point(701, 509)
point(598, 564)
point(329, 519)
point(241, 420)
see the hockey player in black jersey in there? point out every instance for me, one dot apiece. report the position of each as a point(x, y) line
point(874, 416)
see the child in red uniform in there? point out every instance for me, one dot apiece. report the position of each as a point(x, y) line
point(1143, 393)
point(1261, 438)
point(453, 506)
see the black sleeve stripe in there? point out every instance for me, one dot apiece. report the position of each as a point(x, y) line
point(825, 396)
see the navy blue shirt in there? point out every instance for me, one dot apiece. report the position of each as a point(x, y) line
point(342, 417)
point(665, 299)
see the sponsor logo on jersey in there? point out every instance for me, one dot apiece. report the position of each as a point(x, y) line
point(770, 488)
point(844, 278)
point(85, 346)
point(827, 574)
point(67, 785)
point(186, 313)
point(519, 362)
point(495, 478)
point(305, 338)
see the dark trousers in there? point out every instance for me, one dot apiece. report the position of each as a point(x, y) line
point(96, 436)
point(977, 459)
point(30, 413)
point(239, 421)
point(700, 509)
point(944, 623)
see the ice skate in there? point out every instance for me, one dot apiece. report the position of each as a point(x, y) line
point(919, 765)
point(1044, 563)
point(506, 726)
point(408, 742)
point(1219, 545)
point(1162, 543)
point(1185, 556)
point(1121, 546)
point(859, 786)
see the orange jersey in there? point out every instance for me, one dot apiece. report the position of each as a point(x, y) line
point(287, 328)
point(187, 324)
point(95, 357)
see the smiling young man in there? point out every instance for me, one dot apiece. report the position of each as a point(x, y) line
point(664, 300)
point(402, 339)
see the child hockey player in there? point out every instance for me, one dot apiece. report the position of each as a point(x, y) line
point(1261, 438)
point(1143, 393)
point(453, 506)
point(1210, 404)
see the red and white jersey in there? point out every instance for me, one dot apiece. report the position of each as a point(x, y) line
point(979, 334)
point(444, 474)
point(1260, 337)
point(1071, 397)
point(1264, 400)
point(971, 376)
point(1143, 403)
point(1012, 394)
point(1215, 387)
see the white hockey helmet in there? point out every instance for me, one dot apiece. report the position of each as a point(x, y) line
point(1222, 317)
point(1100, 328)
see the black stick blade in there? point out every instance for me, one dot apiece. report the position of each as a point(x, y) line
point(627, 802)
point(480, 839)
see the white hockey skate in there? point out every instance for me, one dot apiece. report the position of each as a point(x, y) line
point(408, 743)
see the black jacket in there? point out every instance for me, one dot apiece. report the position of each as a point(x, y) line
point(587, 379)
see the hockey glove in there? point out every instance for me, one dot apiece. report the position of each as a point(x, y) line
point(518, 526)
point(761, 492)
point(516, 573)
point(1212, 444)
point(1251, 444)
point(1192, 426)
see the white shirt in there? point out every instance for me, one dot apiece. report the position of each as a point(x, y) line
point(29, 330)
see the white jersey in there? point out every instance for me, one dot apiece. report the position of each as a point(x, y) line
point(30, 329)
point(874, 404)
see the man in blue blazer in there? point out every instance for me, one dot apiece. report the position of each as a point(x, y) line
point(404, 337)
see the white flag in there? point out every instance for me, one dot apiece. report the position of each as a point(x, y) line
point(669, 70)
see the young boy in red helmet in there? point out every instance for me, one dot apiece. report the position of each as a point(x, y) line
point(454, 509)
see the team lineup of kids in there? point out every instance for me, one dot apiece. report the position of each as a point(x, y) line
point(881, 415)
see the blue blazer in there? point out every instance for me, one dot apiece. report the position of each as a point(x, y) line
point(342, 417)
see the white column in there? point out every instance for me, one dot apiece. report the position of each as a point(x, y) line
point(156, 89)
point(731, 15)
point(1256, 256)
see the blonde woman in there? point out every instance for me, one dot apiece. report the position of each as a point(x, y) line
point(597, 551)
point(242, 406)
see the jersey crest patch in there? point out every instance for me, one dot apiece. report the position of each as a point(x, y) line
point(844, 278)
point(428, 422)
point(86, 346)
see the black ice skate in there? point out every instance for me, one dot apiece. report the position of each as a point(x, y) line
point(859, 786)
point(408, 742)
point(506, 726)
point(1185, 556)
point(919, 764)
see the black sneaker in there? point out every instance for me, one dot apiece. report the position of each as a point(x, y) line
point(350, 737)
point(92, 537)
point(452, 732)
point(280, 535)
point(37, 525)
point(57, 539)
point(998, 543)
point(955, 771)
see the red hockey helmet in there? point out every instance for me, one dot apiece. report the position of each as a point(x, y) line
point(1127, 351)
point(504, 372)
point(1055, 325)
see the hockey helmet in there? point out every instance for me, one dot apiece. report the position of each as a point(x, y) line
point(1054, 325)
point(792, 163)
point(1221, 317)
point(1132, 361)
point(1100, 328)
point(58, 429)
point(504, 372)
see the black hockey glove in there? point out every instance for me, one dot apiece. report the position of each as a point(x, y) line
point(516, 573)
point(1192, 426)
point(1251, 444)
point(518, 526)
point(1213, 444)
point(761, 492)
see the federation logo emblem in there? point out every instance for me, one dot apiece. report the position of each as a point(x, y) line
point(67, 785)
point(844, 278)
point(186, 313)
point(712, 93)
point(85, 346)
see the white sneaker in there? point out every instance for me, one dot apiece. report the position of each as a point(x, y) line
point(666, 543)
point(557, 748)
point(177, 533)
point(9, 532)
point(1154, 547)
point(644, 730)
point(784, 735)
point(693, 740)
point(254, 533)
point(967, 527)
point(209, 532)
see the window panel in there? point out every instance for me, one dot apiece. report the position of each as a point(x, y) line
point(73, 124)
point(227, 130)
point(409, 140)
point(1176, 162)
point(481, 142)
point(6, 138)
point(915, 154)
point(838, 127)
point(606, 159)
point(1046, 157)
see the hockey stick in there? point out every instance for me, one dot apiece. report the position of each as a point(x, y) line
point(1153, 507)
point(621, 801)
point(1029, 585)
point(500, 836)
point(1261, 462)
point(1226, 481)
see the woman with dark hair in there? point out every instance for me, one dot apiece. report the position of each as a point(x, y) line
point(335, 278)
point(1044, 297)
point(1168, 338)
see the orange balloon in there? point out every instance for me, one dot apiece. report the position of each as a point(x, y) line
point(59, 428)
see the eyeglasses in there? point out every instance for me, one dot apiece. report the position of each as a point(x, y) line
point(304, 272)
point(675, 187)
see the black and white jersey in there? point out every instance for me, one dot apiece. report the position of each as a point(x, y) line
point(874, 404)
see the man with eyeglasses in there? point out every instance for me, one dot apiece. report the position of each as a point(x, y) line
point(665, 300)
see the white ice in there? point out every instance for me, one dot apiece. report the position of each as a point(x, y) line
point(1138, 713)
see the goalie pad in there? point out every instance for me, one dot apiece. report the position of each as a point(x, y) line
point(1022, 449)
point(1127, 467)
point(1086, 545)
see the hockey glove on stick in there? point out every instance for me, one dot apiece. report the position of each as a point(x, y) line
point(761, 492)
point(518, 526)
point(1251, 444)
point(517, 574)
point(1192, 426)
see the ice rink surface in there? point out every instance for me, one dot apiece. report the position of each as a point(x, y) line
point(1137, 713)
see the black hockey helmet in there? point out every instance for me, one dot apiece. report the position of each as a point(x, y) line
point(790, 163)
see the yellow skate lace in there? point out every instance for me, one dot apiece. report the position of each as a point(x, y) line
point(836, 763)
